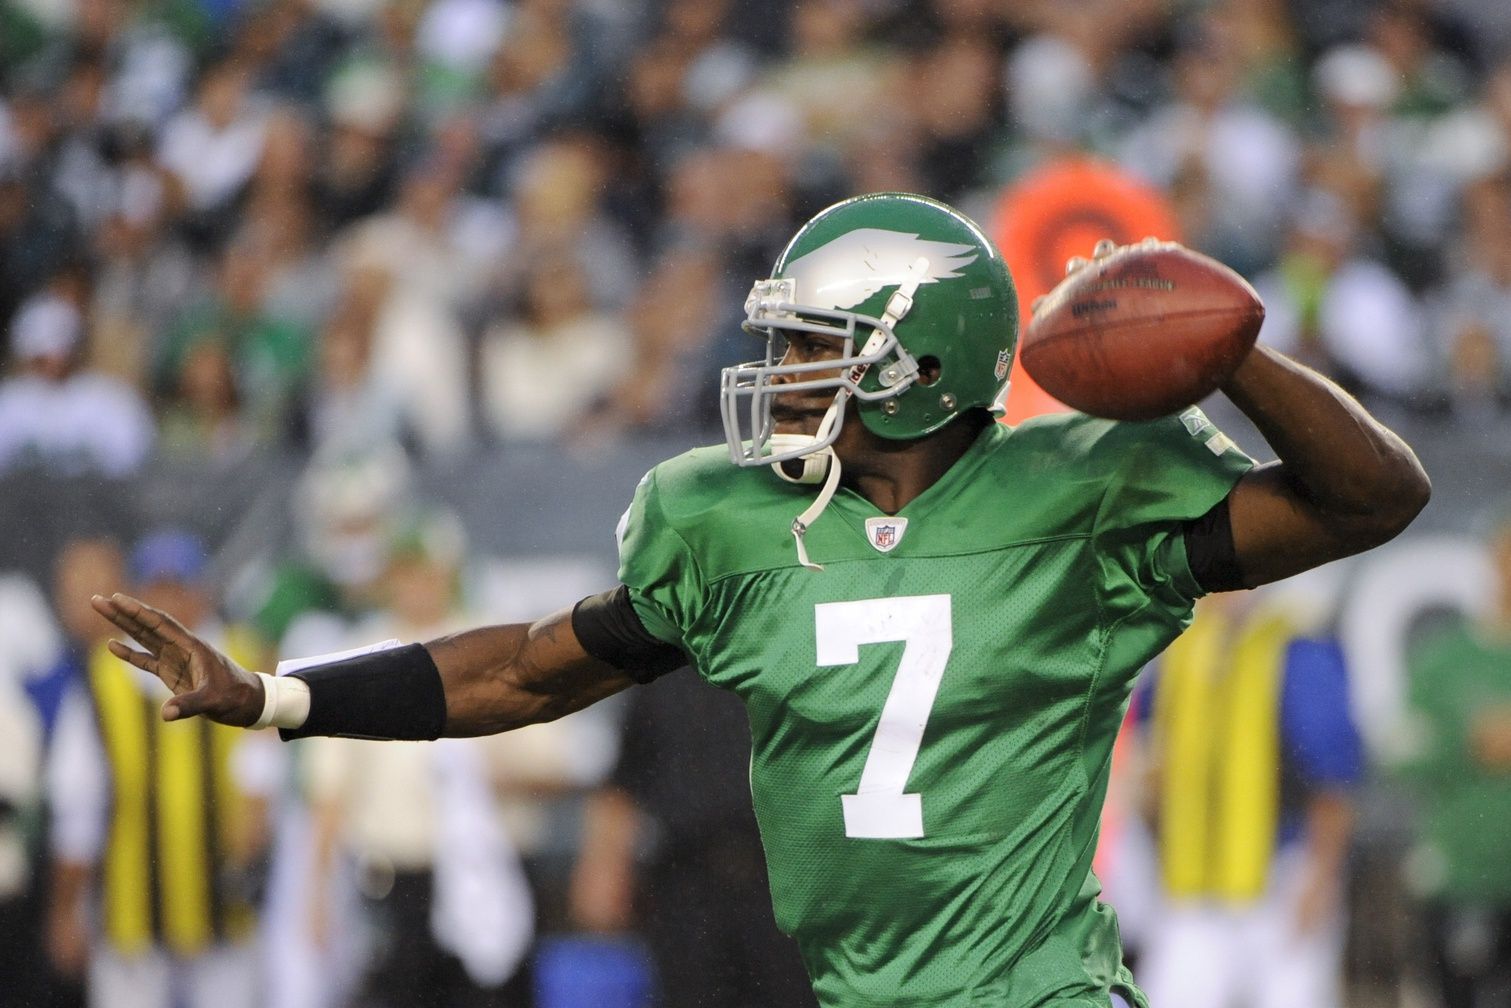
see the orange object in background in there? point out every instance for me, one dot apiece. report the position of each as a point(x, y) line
point(1062, 209)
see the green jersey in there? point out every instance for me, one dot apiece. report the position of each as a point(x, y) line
point(1456, 674)
point(933, 713)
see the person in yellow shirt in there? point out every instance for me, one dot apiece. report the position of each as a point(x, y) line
point(1254, 760)
point(131, 794)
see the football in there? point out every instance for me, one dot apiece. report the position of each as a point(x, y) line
point(1141, 332)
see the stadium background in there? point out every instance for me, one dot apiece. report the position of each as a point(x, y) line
point(345, 254)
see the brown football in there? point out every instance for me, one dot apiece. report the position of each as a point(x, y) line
point(1144, 331)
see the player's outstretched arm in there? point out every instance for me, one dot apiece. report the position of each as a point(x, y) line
point(1343, 484)
point(504, 677)
point(487, 680)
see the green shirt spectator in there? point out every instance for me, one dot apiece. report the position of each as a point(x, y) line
point(1461, 689)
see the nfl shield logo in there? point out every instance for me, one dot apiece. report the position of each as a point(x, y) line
point(1004, 361)
point(885, 533)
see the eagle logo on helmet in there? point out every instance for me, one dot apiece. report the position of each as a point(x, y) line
point(855, 266)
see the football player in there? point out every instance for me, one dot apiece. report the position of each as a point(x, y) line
point(934, 619)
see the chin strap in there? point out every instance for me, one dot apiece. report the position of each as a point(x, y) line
point(801, 523)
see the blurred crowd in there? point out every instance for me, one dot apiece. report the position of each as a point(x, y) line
point(365, 235)
point(322, 223)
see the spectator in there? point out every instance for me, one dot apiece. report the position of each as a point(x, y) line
point(719, 66)
point(78, 155)
point(1254, 757)
point(157, 827)
point(212, 149)
point(202, 418)
point(1340, 310)
point(85, 565)
point(1433, 79)
point(313, 592)
point(656, 125)
point(357, 173)
point(1052, 101)
point(281, 223)
point(557, 208)
point(24, 620)
point(1472, 321)
point(20, 757)
point(57, 414)
point(544, 373)
point(1460, 697)
point(953, 100)
point(144, 271)
point(450, 910)
point(1387, 102)
point(271, 356)
point(352, 407)
point(39, 234)
point(1265, 46)
point(831, 76)
point(1212, 137)
point(422, 268)
point(52, 662)
point(670, 320)
point(289, 45)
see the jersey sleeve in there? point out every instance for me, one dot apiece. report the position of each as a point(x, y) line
point(1163, 474)
point(656, 564)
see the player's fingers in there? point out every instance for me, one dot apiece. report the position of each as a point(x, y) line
point(141, 659)
point(153, 620)
point(1104, 248)
point(1034, 308)
point(108, 608)
point(128, 621)
point(1074, 263)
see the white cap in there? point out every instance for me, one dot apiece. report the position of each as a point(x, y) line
point(1357, 75)
point(761, 121)
point(366, 96)
point(45, 326)
point(1049, 82)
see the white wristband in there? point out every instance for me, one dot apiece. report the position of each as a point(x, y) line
point(285, 702)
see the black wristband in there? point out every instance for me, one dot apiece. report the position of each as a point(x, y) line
point(391, 694)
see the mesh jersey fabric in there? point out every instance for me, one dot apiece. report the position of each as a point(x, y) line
point(1040, 573)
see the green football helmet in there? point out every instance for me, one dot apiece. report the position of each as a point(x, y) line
point(904, 281)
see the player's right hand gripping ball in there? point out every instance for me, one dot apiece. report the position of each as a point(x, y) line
point(1141, 331)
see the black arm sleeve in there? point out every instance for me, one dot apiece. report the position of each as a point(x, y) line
point(609, 629)
point(391, 694)
point(1210, 550)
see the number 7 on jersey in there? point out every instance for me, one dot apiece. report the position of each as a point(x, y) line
point(880, 809)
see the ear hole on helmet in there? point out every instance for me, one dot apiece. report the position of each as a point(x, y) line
point(929, 370)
